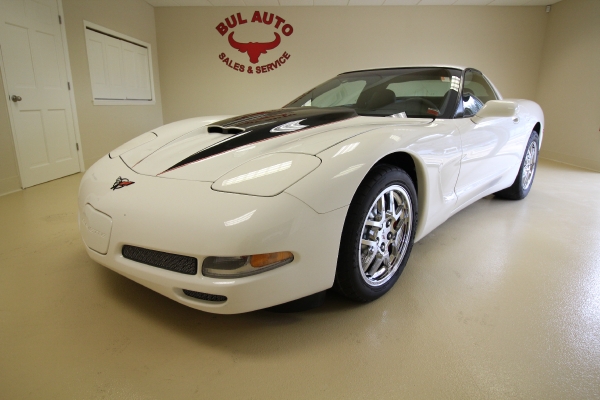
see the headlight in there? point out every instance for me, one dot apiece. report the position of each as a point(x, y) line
point(132, 144)
point(237, 267)
point(267, 175)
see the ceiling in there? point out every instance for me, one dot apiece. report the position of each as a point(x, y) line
point(265, 3)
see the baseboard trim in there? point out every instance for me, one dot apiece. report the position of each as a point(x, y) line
point(593, 165)
point(10, 185)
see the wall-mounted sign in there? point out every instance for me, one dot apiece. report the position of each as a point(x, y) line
point(238, 39)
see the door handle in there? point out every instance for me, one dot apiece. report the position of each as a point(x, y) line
point(15, 98)
point(516, 120)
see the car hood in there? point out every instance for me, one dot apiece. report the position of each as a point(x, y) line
point(203, 149)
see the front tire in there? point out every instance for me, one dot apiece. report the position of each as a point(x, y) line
point(522, 184)
point(378, 234)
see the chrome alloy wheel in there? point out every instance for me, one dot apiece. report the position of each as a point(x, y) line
point(385, 235)
point(529, 165)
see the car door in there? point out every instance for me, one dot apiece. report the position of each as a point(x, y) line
point(485, 145)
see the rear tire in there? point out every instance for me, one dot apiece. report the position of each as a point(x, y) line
point(378, 234)
point(524, 180)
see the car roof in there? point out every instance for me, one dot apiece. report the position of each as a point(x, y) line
point(407, 66)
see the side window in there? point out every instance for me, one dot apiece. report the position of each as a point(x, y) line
point(476, 92)
point(471, 104)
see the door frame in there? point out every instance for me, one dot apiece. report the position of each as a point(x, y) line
point(71, 96)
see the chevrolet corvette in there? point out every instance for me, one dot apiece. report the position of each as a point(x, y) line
point(230, 214)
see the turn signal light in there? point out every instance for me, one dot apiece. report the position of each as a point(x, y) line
point(238, 267)
point(263, 260)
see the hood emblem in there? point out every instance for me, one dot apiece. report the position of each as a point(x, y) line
point(289, 127)
point(121, 183)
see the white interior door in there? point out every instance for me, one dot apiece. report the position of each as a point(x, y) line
point(39, 102)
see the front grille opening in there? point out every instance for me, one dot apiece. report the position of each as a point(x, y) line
point(172, 262)
point(230, 130)
point(216, 298)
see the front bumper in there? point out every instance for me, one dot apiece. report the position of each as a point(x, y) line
point(189, 218)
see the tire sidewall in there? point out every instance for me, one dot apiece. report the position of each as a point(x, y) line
point(533, 138)
point(348, 269)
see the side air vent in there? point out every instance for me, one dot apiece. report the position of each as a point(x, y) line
point(229, 130)
point(205, 296)
point(172, 262)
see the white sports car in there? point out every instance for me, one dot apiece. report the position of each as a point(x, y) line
point(233, 214)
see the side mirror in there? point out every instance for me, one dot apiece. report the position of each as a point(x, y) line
point(496, 109)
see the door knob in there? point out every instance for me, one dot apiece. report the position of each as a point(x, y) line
point(15, 98)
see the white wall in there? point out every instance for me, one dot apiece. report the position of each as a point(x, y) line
point(504, 42)
point(553, 58)
point(102, 127)
point(569, 83)
point(105, 127)
point(9, 172)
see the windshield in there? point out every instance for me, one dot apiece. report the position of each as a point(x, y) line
point(401, 92)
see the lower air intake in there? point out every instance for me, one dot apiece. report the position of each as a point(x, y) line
point(172, 262)
point(205, 296)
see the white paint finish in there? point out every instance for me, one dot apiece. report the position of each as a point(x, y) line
point(132, 144)
point(267, 175)
point(457, 162)
point(496, 108)
point(493, 150)
point(95, 229)
point(435, 147)
point(492, 305)
point(202, 231)
point(485, 159)
point(165, 134)
point(35, 69)
point(173, 145)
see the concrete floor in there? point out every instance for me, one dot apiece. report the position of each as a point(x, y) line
point(502, 301)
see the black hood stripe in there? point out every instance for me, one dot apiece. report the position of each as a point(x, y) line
point(262, 126)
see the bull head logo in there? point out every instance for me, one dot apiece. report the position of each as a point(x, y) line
point(254, 49)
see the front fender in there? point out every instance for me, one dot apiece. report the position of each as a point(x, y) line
point(435, 150)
